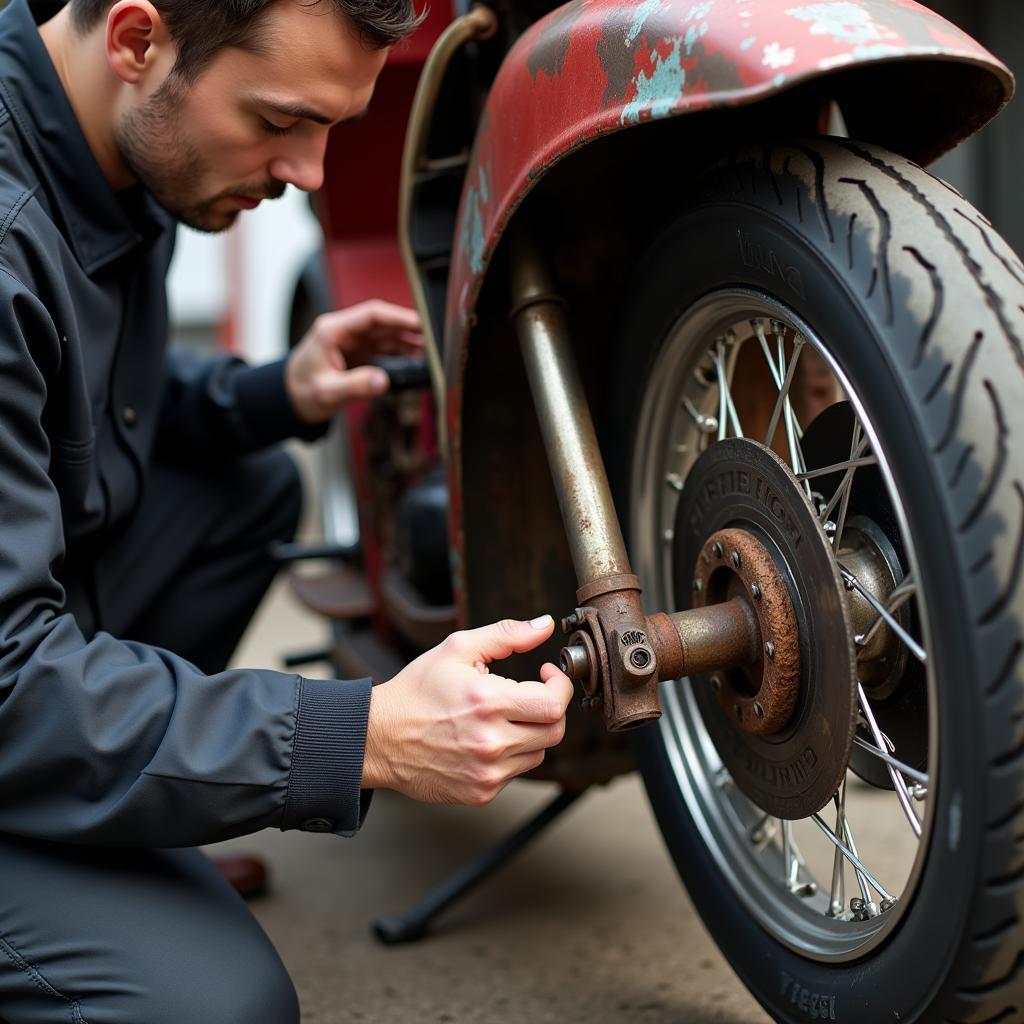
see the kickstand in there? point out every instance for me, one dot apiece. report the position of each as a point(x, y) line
point(415, 922)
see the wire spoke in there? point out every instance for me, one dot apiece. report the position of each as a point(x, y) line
point(726, 405)
point(758, 328)
point(862, 882)
point(897, 599)
point(844, 505)
point(898, 783)
point(854, 584)
point(882, 755)
point(787, 383)
point(846, 483)
point(839, 467)
point(837, 891)
point(851, 857)
point(796, 456)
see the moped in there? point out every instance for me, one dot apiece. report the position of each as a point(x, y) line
point(718, 372)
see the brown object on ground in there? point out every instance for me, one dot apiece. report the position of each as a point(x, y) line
point(245, 873)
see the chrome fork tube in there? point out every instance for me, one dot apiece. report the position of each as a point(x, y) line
point(585, 499)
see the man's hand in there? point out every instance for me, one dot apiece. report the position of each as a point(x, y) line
point(445, 730)
point(327, 367)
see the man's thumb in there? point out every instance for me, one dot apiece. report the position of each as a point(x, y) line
point(362, 382)
point(510, 636)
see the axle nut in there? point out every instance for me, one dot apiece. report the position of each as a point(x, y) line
point(575, 662)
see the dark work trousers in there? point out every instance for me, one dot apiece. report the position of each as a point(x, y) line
point(95, 935)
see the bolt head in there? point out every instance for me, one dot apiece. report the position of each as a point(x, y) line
point(735, 559)
point(769, 649)
point(759, 710)
point(640, 658)
point(755, 591)
point(718, 549)
point(698, 585)
point(716, 683)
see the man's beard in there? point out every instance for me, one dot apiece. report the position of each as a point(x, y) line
point(171, 168)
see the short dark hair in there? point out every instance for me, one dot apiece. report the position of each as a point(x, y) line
point(201, 28)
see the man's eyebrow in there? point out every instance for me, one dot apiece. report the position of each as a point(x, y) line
point(302, 112)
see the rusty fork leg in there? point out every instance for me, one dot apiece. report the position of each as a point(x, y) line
point(624, 671)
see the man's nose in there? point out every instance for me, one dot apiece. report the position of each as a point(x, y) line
point(302, 165)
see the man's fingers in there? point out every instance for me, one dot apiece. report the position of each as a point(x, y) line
point(532, 701)
point(376, 313)
point(530, 738)
point(501, 639)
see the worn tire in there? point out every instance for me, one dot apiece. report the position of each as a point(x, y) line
point(923, 307)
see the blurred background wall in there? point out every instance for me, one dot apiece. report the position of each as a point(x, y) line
point(988, 168)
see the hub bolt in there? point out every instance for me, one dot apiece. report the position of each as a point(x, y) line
point(769, 649)
point(640, 658)
point(758, 710)
point(716, 683)
point(698, 584)
point(718, 549)
point(755, 590)
point(735, 559)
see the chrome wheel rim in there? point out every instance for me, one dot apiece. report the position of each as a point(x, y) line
point(789, 876)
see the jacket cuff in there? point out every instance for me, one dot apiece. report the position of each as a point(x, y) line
point(265, 408)
point(324, 783)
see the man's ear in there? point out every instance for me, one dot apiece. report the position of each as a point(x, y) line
point(137, 40)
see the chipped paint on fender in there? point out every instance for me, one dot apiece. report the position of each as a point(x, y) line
point(843, 20)
point(471, 234)
point(643, 12)
point(659, 92)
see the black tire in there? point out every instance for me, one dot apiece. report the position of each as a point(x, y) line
point(922, 308)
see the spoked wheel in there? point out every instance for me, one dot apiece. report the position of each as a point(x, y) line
point(828, 352)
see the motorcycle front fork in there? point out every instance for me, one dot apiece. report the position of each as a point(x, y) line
point(616, 652)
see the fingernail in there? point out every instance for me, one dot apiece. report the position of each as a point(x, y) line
point(380, 382)
point(541, 622)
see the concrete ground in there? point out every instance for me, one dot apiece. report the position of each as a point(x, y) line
point(590, 923)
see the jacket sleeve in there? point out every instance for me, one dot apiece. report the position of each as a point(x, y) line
point(111, 742)
point(223, 406)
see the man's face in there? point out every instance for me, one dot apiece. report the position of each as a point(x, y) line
point(251, 123)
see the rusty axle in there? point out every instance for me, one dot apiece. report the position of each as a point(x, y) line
point(716, 638)
point(721, 636)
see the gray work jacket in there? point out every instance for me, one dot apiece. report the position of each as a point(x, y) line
point(102, 740)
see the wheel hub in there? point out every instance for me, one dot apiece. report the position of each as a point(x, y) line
point(740, 497)
point(734, 564)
